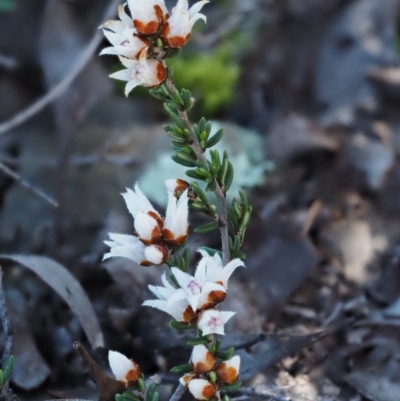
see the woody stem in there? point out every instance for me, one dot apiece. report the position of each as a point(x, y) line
point(219, 190)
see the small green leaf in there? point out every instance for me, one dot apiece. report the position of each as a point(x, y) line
point(130, 396)
point(202, 124)
point(141, 384)
point(215, 138)
point(181, 326)
point(206, 227)
point(174, 116)
point(199, 192)
point(173, 53)
point(2, 381)
point(197, 341)
point(157, 94)
point(229, 177)
point(182, 369)
point(155, 397)
point(211, 252)
point(245, 219)
point(7, 369)
point(150, 391)
point(211, 186)
point(119, 397)
point(197, 206)
point(232, 387)
point(194, 174)
point(225, 355)
point(183, 161)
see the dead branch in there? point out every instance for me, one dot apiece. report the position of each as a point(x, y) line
point(27, 185)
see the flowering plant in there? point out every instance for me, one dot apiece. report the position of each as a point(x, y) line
point(143, 37)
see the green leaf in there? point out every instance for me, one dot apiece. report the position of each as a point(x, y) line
point(182, 369)
point(206, 227)
point(199, 192)
point(173, 53)
point(2, 381)
point(228, 177)
point(141, 384)
point(215, 160)
point(211, 186)
point(183, 161)
point(202, 124)
point(225, 355)
point(194, 174)
point(130, 396)
point(232, 387)
point(150, 391)
point(7, 369)
point(245, 219)
point(215, 138)
point(197, 341)
point(155, 397)
point(119, 397)
point(157, 94)
point(174, 116)
point(181, 326)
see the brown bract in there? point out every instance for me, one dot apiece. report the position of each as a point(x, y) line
point(206, 366)
point(228, 375)
point(170, 239)
point(173, 41)
point(208, 391)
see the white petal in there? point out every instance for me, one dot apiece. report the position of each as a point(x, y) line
point(123, 16)
point(125, 246)
point(212, 321)
point(176, 218)
point(123, 75)
point(181, 277)
point(234, 362)
point(109, 50)
point(120, 365)
point(137, 202)
point(197, 7)
point(229, 269)
point(171, 185)
point(199, 354)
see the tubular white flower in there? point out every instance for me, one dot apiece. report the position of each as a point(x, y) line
point(212, 321)
point(126, 246)
point(156, 254)
point(137, 202)
point(176, 219)
point(210, 268)
point(176, 31)
point(147, 228)
point(124, 369)
point(197, 292)
point(180, 310)
point(202, 360)
point(148, 15)
point(144, 72)
point(202, 389)
point(228, 371)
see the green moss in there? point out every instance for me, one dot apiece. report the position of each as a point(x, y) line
point(211, 77)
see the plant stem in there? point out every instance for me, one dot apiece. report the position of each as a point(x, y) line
point(219, 192)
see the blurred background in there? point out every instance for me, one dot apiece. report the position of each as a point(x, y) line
point(308, 93)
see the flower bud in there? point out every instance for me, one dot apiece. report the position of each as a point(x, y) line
point(186, 378)
point(176, 225)
point(147, 15)
point(156, 254)
point(125, 370)
point(202, 389)
point(147, 228)
point(202, 359)
point(228, 371)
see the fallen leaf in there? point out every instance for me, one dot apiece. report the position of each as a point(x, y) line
point(66, 285)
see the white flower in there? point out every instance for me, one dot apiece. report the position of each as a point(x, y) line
point(195, 290)
point(210, 268)
point(148, 73)
point(176, 31)
point(126, 246)
point(147, 228)
point(180, 310)
point(202, 359)
point(228, 371)
point(202, 389)
point(125, 370)
point(148, 15)
point(176, 224)
point(123, 37)
point(176, 186)
point(212, 321)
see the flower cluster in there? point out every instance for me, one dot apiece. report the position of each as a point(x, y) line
point(155, 237)
point(145, 37)
point(195, 299)
point(208, 376)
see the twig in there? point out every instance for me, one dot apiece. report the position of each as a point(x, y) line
point(178, 394)
point(60, 88)
point(27, 185)
point(223, 213)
